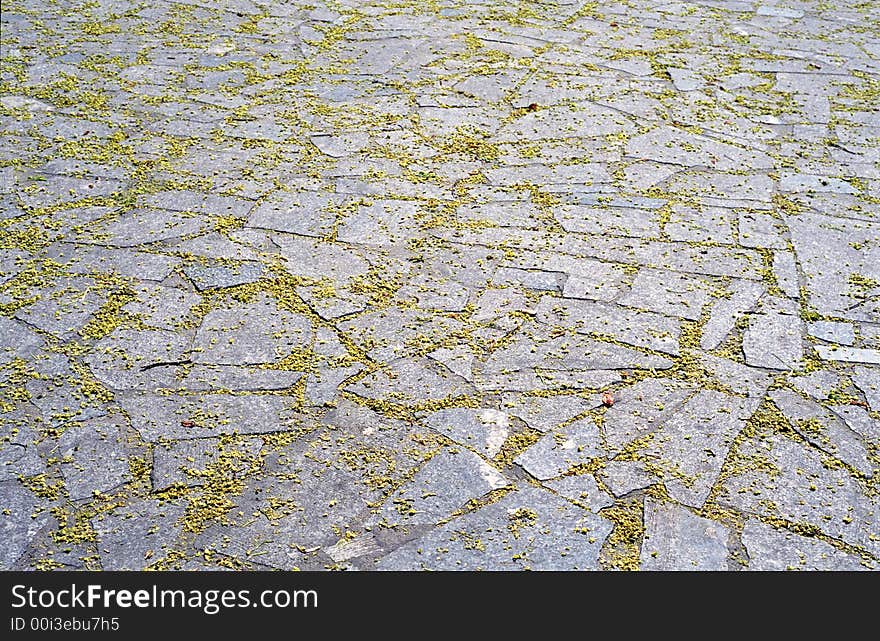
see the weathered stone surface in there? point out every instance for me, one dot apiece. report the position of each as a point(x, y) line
point(137, 535)
point(676, 539)
point(561, 449)
point(409, 381)
point(833, 332)
point(444, 484)
point(258, 332)
point(20, 520)
point(821, 427)
point(641, 329)
point(529, 528)
point(544, 413)
point(773, 340)
point(776, 549)
point(788, 480)
point(848, 354)
point(95, 457)
point(484, 430)
point(198, 416)
point(725, 312)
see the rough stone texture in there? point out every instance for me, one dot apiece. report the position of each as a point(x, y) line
point(484, 430)
point(773, 341)
point(445, 484)
point(529, 528)
point(772, 549)
point(400, 285)
point(561, 449)
point(676, 539)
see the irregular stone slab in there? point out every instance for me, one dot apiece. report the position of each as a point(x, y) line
point(786, 274)
point(817, 384)
point(248, 334)
point(65, 308)
point(667, 293)
point(20, 521)
point(551, 178)
point(700, 225)
point(484, 430)
point(623, 477)
point(198, 416)
point(392, 333)
point(384, 223)
point(162, 307)
point(18, 445)
point(739, 378)
point(410, 381)
point(145, 226)
point(542, 379)
point(676, 539)
point(214, 276)
point(848, 354)
point(582, 489)
point(216, 246)
point(493, 303)
point(123, 262)
point(458, 360)
point(641, 329)
point(545, 413)
point(258, 542)
point(16, 339)
point(834, 332)
point(303, 213)
point(323, 386)
point(829, 260)
point(132, 359)
point(772, 549)
point(561, 449)
point(529, 528)
point(436, 293)
point(783, 479)
point(668, 145)
point(867, 379)
point(584, 120)
point(688, 450)
point(725, 312)
point(621, 221)
point(757, 229)
point(232, 377)
point(773, 340)
point(685, 79)
point(858, 420)
point(820, 427)
point(196, 202)
point(136, 535)
point(444, 484)
point(641, 408)
point(312, 259)
point(95, 457)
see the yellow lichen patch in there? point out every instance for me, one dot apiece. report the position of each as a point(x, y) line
point(469, 143)
point(42, 487)
point(73, 528)
point(622, 549)
point(516, 444)
point(110, 316)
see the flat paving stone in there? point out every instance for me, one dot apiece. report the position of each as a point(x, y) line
point(528, 528)
point(676, 539)
point(777, 549)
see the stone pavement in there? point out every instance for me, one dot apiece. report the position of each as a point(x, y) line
point(440, 284)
